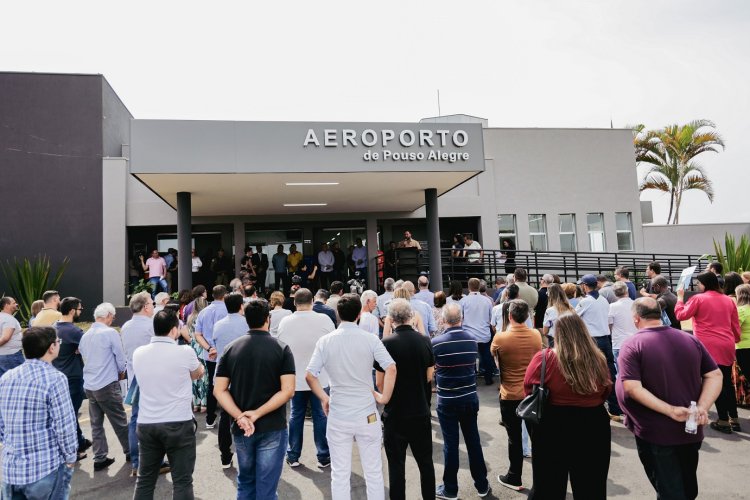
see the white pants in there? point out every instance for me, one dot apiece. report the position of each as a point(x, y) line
point(340, 434)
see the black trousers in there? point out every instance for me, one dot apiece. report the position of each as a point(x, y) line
point(513, 428)
point(225, 437)
point(176, 440)
point(571, 442)
point(726, 403)
point(671, 469)
point(210, 398)
point(414, 432)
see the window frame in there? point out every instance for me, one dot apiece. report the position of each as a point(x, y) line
point(629, 231)
point(573, 232)
point(603, 232)
point(543, 234)
point(507, 236)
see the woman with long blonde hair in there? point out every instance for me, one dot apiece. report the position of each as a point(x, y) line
point(200, 386)
point(416, 322)
point(573, 439)
point(557, 305)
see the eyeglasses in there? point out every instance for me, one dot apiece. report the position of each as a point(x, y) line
point(58, 340)
point(79, 309)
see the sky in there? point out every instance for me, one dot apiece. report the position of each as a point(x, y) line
point(519, 64)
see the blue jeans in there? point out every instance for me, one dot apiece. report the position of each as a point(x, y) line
point(297, 425)
point(451, 417)
point(10, 361)
point(158, 283)
point(486, 362)
point(53, 486)
point(133, 436)
point(260, 458)
point(616, 354)
point(605, 345)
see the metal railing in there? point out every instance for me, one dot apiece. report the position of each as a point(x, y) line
point(569, 266)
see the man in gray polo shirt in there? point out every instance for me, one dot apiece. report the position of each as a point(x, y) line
point(594, 311)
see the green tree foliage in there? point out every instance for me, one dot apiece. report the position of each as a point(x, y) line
point(671, 154)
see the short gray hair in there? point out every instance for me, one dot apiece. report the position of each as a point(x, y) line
point(548, 278)
point(620, 289)
point(104, 309)
point(398, 284)
point(368, 295)
point(139, 301)
point(646, 308)
point(423, 282)
point(388, 284)
point(452, 314)
point(409, 286)
point(400, 312)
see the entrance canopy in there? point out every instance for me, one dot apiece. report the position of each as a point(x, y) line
point(264, 168)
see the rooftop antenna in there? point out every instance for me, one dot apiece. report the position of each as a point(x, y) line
point(438, 97)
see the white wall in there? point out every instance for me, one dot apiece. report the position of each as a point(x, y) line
point(692, 239)
point(114, 236)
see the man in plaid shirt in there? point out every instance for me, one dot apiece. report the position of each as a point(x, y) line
point(37, 422)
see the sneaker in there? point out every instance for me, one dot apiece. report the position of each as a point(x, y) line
point(483, 494)
point(293, 463)
point(81, 455)
point(103, 464)
point(615, 418)
point(735, 425)
point(210, 425)
point(440, 493)
point(85, 445)
point(133, 472)
point(227, 465)
point(165, 467)
point(323, 465)
point(527, 455)
point(721, 427)
point(513, 484)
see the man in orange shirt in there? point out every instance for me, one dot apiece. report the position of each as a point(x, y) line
point(514, 350)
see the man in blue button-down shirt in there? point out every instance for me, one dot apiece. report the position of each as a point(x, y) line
point(204, 335)
point(37, 423)
point(104, 365)
point(422, 308)
point(477, 313)
point(226, 331)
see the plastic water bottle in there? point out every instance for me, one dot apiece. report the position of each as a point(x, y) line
point(691, 425)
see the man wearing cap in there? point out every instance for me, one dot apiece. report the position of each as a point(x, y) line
point(594, 311)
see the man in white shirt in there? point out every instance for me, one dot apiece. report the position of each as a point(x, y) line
point(11, 354)
point(301, 331)
point(347, 354)
point(165, 372)
point(594, 311)
point(136, 332)
point(621, 318)
point(367, 320)
point(424, 294)
point(473, 254)
point(326, 261)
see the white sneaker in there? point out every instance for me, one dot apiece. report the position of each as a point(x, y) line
point(210, 426)
point(293, 464)
point(227, 465)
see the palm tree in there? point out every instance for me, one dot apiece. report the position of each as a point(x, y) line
point(671, 153)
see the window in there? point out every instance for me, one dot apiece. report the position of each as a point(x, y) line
point(568, 233)
point(538, 232)
point(506, 229)
point(595, 226)
point(624, 225)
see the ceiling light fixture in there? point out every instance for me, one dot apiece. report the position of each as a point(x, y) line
point(305, 204)
point(312, 183)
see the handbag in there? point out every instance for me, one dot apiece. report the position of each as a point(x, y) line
point(532, 406)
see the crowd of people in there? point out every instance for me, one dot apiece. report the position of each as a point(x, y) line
point(368, 368)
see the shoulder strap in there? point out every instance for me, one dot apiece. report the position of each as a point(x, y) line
point(544, 366)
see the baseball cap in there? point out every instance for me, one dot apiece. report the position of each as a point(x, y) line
point(587, 279)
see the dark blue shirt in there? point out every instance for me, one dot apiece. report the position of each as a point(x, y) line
point(455, 367)
point(69, 360)
point(632, 293)
point(321, 308)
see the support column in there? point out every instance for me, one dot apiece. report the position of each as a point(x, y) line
point(239, 245)
point(184, 241)
point(372, 253)
point(433, 239)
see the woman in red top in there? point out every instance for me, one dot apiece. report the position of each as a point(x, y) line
point(716, 324)
point(574, 438)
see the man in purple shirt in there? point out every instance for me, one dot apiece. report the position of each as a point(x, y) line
point(204, 335)
point(662, 370)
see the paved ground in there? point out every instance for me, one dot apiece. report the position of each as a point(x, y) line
point(722, 470)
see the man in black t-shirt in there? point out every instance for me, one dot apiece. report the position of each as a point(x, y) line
point(70, 362)
point(254, 380)
point(406, 418)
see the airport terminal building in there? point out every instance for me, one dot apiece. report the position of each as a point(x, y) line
point(84, 179)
